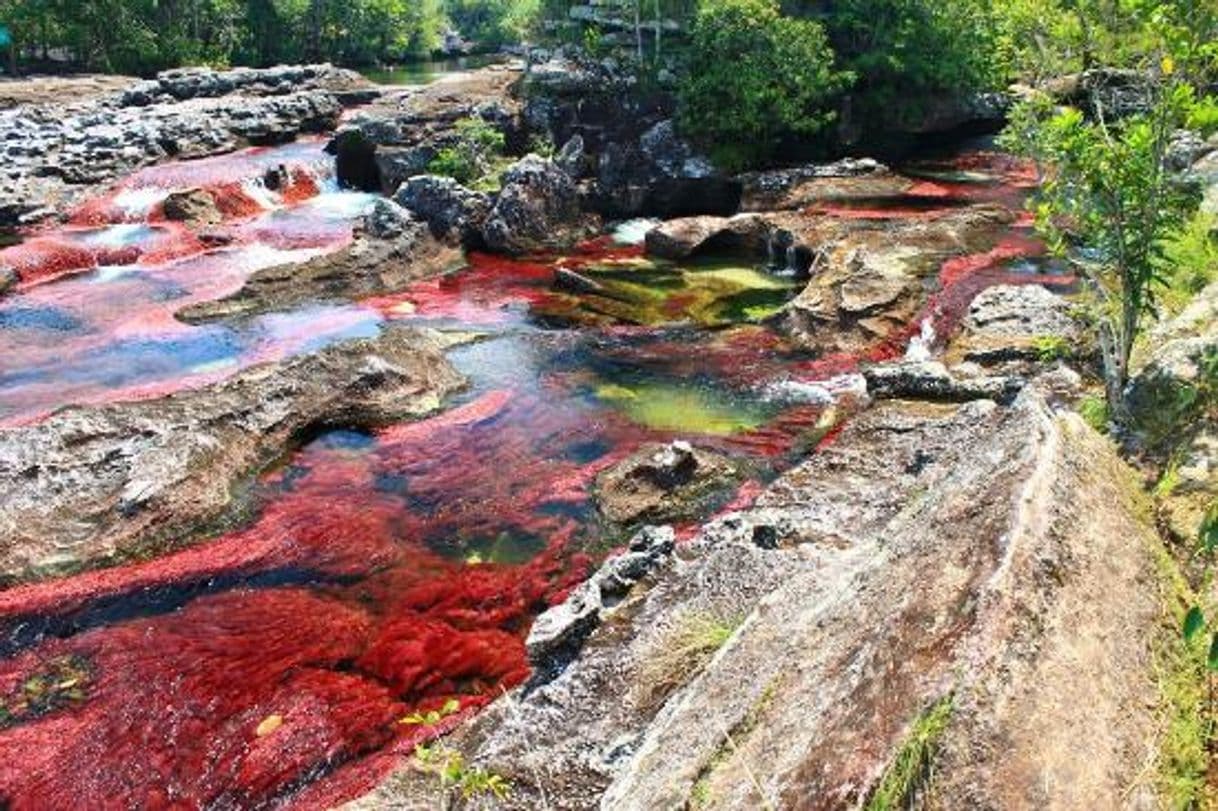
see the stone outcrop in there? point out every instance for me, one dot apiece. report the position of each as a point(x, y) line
point(388, 251)
point(92, 485)
point(181, 84)
point(869, 281)
point(932, 381)
point(453, 212)
point(195, 207)
point(681, 238)
point(932, 556)
point(394, 138)
point(1008, 324)
point(538, 207)
point(52, 153)
point(660, 483)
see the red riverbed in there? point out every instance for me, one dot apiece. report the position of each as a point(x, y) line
point(382, 573)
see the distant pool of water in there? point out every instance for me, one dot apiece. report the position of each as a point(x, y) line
point(419, 73)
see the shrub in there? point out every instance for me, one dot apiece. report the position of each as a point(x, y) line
point(473, 155)
point(753, 77)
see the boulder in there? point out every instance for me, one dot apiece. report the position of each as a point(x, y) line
point(91, 485)
point(1017, 323)
point(196, 207)
point(661, 483)
point(931, 380)
point(682, 238)
point(453, 212)
point(538, 207)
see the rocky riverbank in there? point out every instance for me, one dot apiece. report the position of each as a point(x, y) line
point(55, 152)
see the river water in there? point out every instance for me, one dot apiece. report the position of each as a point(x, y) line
point(384, 572)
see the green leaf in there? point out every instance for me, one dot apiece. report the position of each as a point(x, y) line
point(1209, 533)
point(1211, 661)
point(1193, 622)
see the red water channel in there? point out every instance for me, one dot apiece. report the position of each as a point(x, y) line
point(383, 572)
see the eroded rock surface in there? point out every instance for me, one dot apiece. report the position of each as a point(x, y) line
point(1017, 323)
point(389, 250)
point(932, 553)
point(686, 236)
point(90, 485)
point(869, 281)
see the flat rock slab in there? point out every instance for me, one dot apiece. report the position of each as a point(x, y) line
point(88, 486)
point(989, 554)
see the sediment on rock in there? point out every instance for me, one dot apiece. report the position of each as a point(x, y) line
point(90, 485)
point(931, 550)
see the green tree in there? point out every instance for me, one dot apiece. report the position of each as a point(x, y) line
point(1109, 196)
point(753, 77)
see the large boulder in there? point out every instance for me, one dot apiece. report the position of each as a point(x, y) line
point(453, 212)
point(538, 207)
point(91, 485)
point(1017, 323)
point(930, 563)
point(684, 237)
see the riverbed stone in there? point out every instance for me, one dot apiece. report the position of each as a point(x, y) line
point(662, 482)
point(537, 207)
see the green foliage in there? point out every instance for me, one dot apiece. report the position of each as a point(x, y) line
point(455, 775)
point(144, 36)
point(492, 23)
point(474, 156)
point(1110, 200)
point(1094, 411)
point(1050, 348)
point(754, 77)
point(432, 717)
point(1190, 254)
point(906, 54)
point(910, 769)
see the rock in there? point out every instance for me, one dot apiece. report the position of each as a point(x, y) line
point(8, 278)
point(571, 158)
point(390, 250)
point(569, 281)
point(396, 165)
point(682, 238)
point(661, 483)
point(870, 280)
point(537, 207)
point(90, 485)
point(929, 554)
point(1013, 323)
point(452, 211)
point(930, 380)
point(813, 183)
point(194, 207)
point(181, 84)
point(558, 632)
point(673, 155)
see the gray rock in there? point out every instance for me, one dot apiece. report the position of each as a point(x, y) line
point(931, 380)
point(538, 207)
point(572, 158)
point(452, 211)
point(8, 278)
point(558, 632)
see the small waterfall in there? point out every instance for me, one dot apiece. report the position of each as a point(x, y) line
point(920, 345)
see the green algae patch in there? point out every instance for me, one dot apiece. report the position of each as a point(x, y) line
point(686, 409)
point(650, 293)
point(911, 767)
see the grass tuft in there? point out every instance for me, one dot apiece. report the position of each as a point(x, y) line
point(910, 770)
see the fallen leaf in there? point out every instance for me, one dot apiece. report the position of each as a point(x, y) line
point(269, 725)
